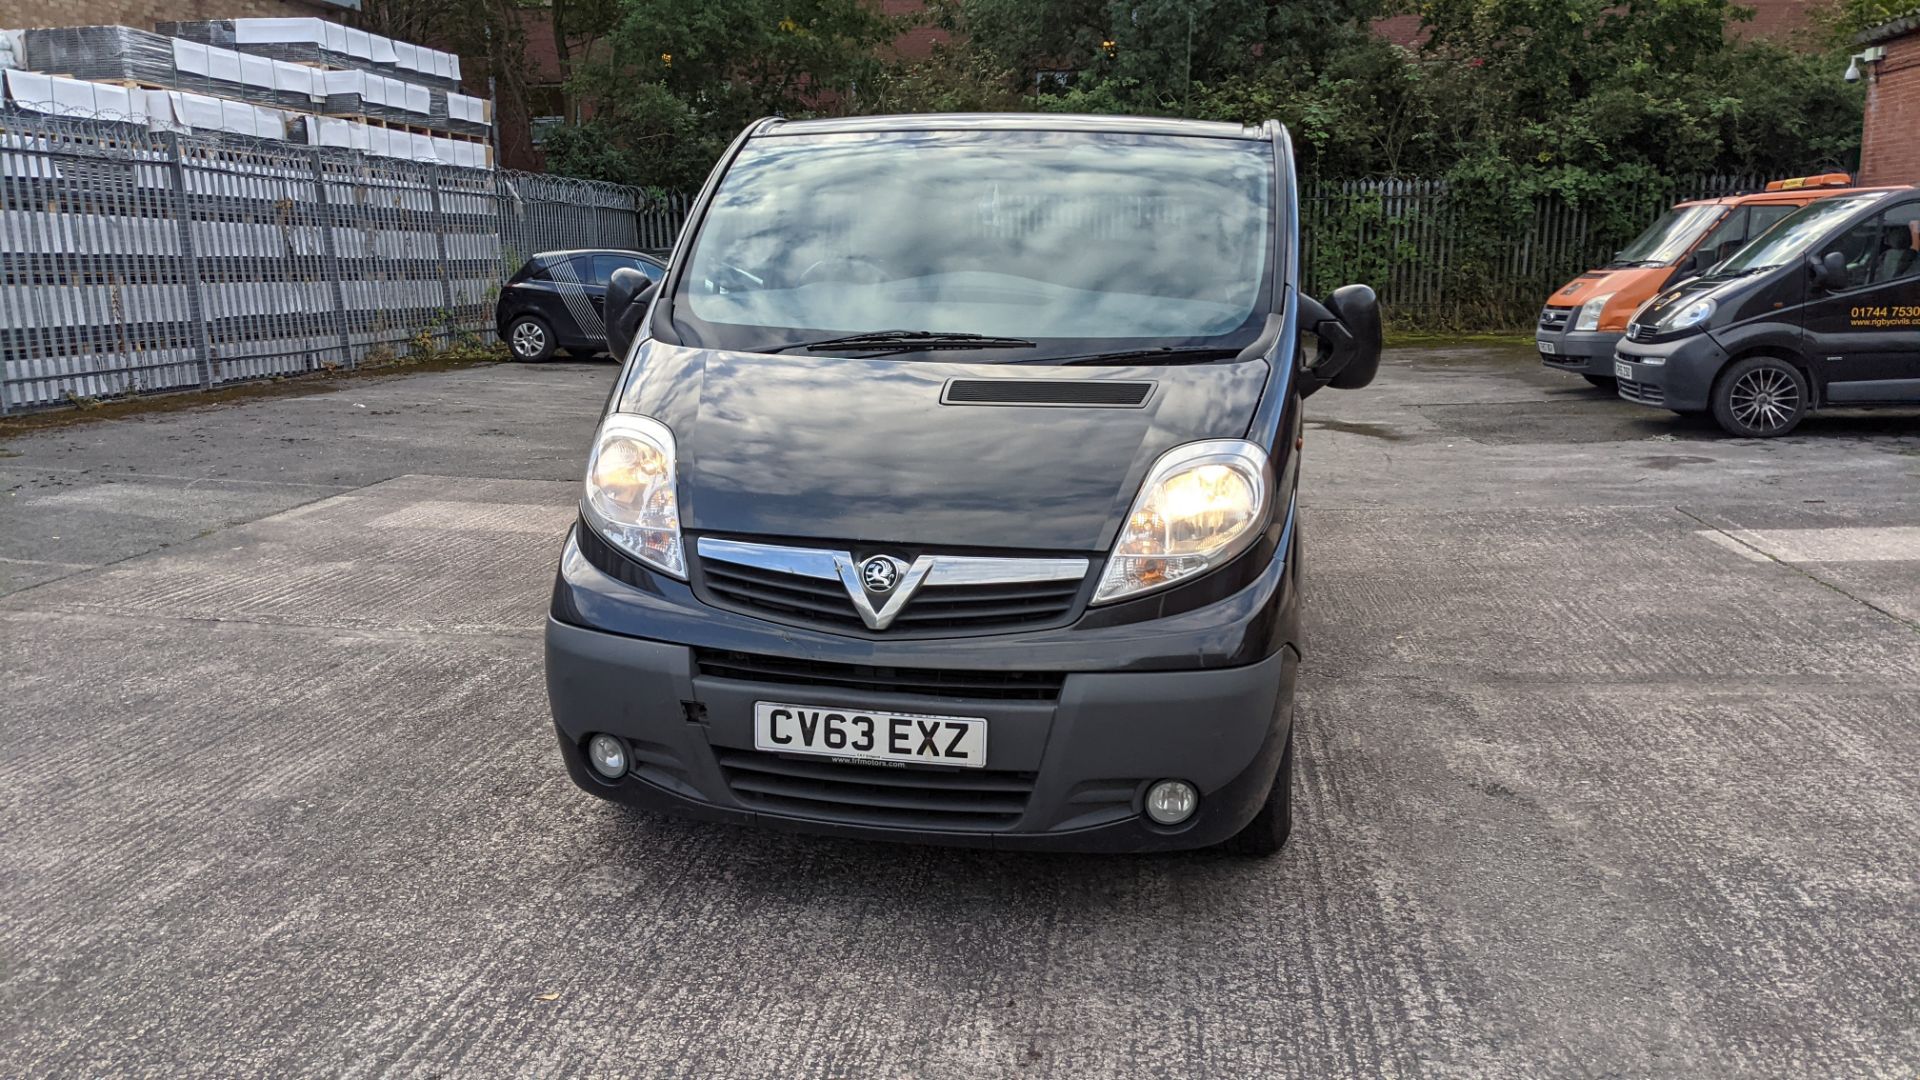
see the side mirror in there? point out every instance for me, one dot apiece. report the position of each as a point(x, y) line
point(1348, 326)
point(1829, 271)
point(1688, 266)
point(628, 293)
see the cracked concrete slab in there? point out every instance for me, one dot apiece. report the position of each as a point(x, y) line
point(1587, 786)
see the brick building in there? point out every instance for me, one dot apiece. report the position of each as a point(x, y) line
point(142, 14)
point(1890, 141)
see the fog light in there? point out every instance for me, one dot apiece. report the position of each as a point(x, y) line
point(608, 755)
point(1171, 802)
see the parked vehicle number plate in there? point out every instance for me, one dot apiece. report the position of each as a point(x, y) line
point(870, 736)
point(1548, 348)
point(1623, 370)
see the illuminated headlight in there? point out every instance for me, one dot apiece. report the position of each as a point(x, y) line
point(630, 498)
point(1201, 504)
point(1589, 317)
point(1689, 317)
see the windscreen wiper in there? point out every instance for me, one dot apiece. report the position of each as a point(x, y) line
point(1171, 354)
point(909, 341)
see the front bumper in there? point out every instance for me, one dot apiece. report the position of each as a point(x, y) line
point(1068, 766)
point(1675, 375)
point(1069, 774)
point(1581, 352)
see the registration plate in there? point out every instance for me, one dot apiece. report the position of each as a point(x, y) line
point(861, 734)
point(1623, 370)
point(1548, 348)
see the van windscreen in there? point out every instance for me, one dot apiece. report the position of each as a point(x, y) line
point(1670, 237)
point(1793, 236)
point(1042, 235)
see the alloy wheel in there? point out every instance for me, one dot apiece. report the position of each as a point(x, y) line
point(1765, 399)
point(529, 339)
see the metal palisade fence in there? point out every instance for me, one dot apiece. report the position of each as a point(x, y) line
point(1439, 259)
point(134, 260)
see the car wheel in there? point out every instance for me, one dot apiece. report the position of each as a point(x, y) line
point(529, 338)
point(1760, 397)
point(1604, 382)
point(1267, 833)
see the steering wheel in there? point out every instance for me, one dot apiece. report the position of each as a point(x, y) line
point(867, 271)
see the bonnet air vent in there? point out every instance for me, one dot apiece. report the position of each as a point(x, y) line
point(1085, 394)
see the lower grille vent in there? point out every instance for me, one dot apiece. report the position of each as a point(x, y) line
point(963, 799)
point(1644, 393)
point(931, 682)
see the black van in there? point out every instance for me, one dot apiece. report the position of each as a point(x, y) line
point(1821, 310)
point(948, 492)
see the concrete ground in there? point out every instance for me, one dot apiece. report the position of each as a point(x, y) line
point(1609, 750)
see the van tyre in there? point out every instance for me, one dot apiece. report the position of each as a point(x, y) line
point(530, 339)
point(1760, 397)
point(1267, 833)
point(1604, 382)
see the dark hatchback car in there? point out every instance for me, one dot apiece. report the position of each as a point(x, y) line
point(1821, 311)
point(948, 492)
point(557, 300)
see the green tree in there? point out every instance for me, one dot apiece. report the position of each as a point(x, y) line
point(676, 81)
point(1153, 55)
point(579, 29)
point(1360, 110)
point(1848, 17)
point(1591, 87)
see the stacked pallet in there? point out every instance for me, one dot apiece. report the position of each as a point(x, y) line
point(173, 110)
point(324, 44)
point(299, 79)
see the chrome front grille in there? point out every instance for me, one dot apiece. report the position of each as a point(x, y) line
point(933, 593)
point(780, 595)
point(1555, 319)
point(960, 607)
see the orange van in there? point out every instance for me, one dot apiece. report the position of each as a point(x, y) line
point(1585, 319)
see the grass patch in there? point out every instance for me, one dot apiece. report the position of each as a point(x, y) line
point(1436, 339)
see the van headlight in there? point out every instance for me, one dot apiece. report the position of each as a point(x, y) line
point(1589, 317)
point(1691, 317)
point(630, 498)
point(1201, 504)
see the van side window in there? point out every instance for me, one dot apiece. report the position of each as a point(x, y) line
point(1766, 217)
point(1730, 237)
point(1882, 248)
point(1899, 253)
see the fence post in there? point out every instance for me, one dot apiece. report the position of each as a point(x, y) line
point(440, 244)
point(196, 301)
point(329, 252)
